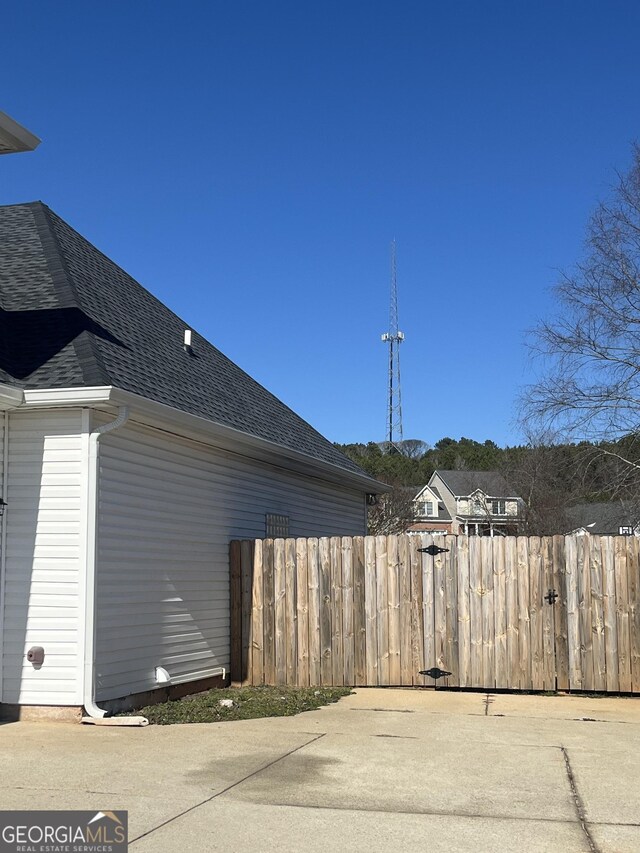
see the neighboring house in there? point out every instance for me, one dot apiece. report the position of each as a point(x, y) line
point(472, 502)
point(430, 513)
point(613, 518)
point(129, 458)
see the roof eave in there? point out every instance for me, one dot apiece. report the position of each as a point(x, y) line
point(15, 138)
point(200, 429)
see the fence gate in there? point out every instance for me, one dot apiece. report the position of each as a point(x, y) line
point(520, 613)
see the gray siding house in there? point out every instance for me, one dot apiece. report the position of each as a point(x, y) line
point(128, 460)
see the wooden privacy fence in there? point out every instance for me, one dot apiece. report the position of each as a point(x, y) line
point(376, 610)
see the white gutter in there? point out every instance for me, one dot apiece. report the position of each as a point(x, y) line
point(201, 429)
point(92, 710)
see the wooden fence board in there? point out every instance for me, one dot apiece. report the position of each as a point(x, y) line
point(302, 612)
point(536, 602)
point(427, 609)
point(417, 616)
point(257, 634)
point(451, 596)
point(280, 591)
point(622, 600)
point(404, 585)
point(326, 663)
point(371, 612)
point(633, 580)
point(584, 608)
point(269, 611)
point(548, 616)
point(347, 624)
point(524, 637)
point(500, 612)
point(439, 613)
point(337, 641)
point(382, 604)
point(561, 644)
point(573, 613)
point(246, 584)
point(393, 598)
point(597, 615)
point(359, 612)
point(464, 617)
point(313, 580)
point(487, 607)
point(610, 613)
point(475, 610)
point(511, 597)
point(291, 613)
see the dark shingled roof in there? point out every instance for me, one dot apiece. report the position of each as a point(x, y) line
point(70, 317)
point(606, 517)
point(463, 483)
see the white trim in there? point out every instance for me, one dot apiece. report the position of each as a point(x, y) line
point(10, 398)
point(203, 430)
point(3, 539)
point(15, 136)
point(83, 543)
point(47, 398)
point(88, 690)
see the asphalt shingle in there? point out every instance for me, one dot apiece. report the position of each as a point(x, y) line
point(71, 317)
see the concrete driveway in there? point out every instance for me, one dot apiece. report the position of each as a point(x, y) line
point(382, 770)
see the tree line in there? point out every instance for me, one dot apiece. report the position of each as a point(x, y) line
point(548, 477)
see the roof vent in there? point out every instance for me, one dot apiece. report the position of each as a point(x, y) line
point(187, 341)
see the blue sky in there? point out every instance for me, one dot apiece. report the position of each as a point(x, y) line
point(250, 162)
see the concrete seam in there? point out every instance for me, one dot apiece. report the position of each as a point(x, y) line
point(577, 799)
point(470, 815)
point(228, 788)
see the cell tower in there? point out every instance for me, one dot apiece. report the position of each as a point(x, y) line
point(394, 338)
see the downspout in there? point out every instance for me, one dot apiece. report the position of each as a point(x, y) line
point(94, 713)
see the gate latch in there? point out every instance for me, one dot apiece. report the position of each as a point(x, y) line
point(435, 672)
point(433, 550)
point(551, 596)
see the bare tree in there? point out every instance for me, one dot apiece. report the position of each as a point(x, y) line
point(393, 512)
point(590, 387)
point(413, 448)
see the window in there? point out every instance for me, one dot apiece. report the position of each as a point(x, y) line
point(498, 508)
point(276, 526)
point(626, 531)
point(428, 508)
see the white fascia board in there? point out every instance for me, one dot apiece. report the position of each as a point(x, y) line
point(14, 137)
point(10, 398)
point(200, 429)
point(48, 398)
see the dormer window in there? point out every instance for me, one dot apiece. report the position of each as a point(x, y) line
point(426, 508)
point(498, 507)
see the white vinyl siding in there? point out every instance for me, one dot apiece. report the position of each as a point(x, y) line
point(42, 580)
point(168, 508)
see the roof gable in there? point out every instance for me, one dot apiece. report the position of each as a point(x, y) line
point(80, 320)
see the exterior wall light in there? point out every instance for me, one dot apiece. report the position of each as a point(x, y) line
point(3, 504)
point(372, 500)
